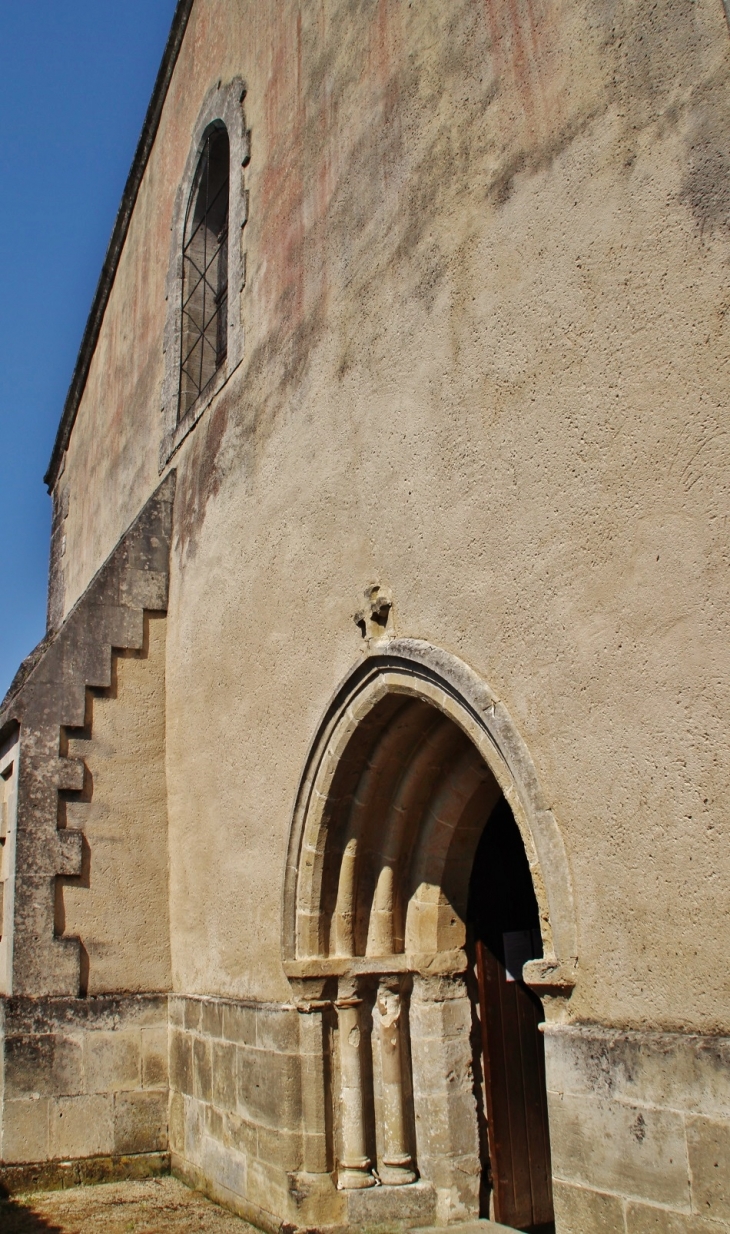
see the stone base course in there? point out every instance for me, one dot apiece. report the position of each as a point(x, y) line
point(60, 1175)
point(84, 1078)
point(236, 1127)
point(639, 1130)
point(219, 1090)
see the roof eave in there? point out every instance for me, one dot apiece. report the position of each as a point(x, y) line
point(118, 237)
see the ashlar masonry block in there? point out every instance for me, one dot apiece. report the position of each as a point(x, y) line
point(25, 1130)
point(708, 1143)
point(113, 1061)
point(646, 1219)
point(47, 1064)
point(269, 1088)
point(140, 1122)
point(82, 1126)
point(155, 1045)
point(630, 1150)
point(581, 1210)
point(224, 1075)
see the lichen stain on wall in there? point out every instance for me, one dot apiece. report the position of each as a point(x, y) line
point(201, 479)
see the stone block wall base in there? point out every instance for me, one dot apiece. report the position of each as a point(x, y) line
point(639, 1130)
point(414, 1204)
point(83, 1172)
point(195, 1178)
point(394, 1207)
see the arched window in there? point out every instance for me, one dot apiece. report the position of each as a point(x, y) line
point(205, 272)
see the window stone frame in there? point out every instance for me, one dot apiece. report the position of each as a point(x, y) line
point(223, 105)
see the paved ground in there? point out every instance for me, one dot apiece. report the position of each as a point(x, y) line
point(160, 1206)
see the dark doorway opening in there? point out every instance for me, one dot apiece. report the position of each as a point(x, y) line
point(505, 933)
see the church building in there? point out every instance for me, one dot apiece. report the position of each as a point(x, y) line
point(364, 811)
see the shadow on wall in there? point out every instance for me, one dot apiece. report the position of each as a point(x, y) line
point(17, 1218)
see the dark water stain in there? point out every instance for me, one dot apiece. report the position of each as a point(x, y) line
point(200, 479)
point(372, 147)
point(706, 187)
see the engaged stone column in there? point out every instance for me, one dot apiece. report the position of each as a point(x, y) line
point(355, 1166)
point(396, 1166)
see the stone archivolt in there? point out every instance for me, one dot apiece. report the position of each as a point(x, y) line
point(391, 808)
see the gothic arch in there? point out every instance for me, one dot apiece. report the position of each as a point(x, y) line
point(412, 750)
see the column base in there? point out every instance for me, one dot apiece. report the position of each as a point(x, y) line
point(397, 1172)
point(354, 1177)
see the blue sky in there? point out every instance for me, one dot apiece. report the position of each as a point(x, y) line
point(76, 79)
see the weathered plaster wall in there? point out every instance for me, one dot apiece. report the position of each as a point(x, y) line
point(486, 366)
point(119, 906)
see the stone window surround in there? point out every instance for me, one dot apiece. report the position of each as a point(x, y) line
point(223, 104)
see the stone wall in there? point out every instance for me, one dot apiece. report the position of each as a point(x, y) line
point(640, 1131)
point(82, 761)
point(83, 1079)
point(9, 750)
point(445, 1093)
point(119, 908)
point(51, 703)
point(254, 1109)
point(236, 1101)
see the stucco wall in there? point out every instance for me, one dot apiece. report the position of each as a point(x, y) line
point(119, 906)
point(485, 365)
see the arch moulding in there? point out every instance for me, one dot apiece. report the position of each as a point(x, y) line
point(417, 669)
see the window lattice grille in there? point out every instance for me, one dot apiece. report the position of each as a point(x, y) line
point(205, 272)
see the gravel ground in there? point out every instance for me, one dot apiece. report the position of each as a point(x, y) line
point(159, 1206)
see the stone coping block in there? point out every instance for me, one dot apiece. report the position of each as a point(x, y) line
point(41, 1015)
point(686, 1072)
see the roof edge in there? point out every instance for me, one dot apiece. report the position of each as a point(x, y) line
point(118, 237)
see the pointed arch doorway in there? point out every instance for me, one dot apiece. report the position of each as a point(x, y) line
point(387, 842)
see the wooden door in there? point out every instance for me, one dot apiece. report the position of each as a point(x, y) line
point(514, 1077)
point(504, 922)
